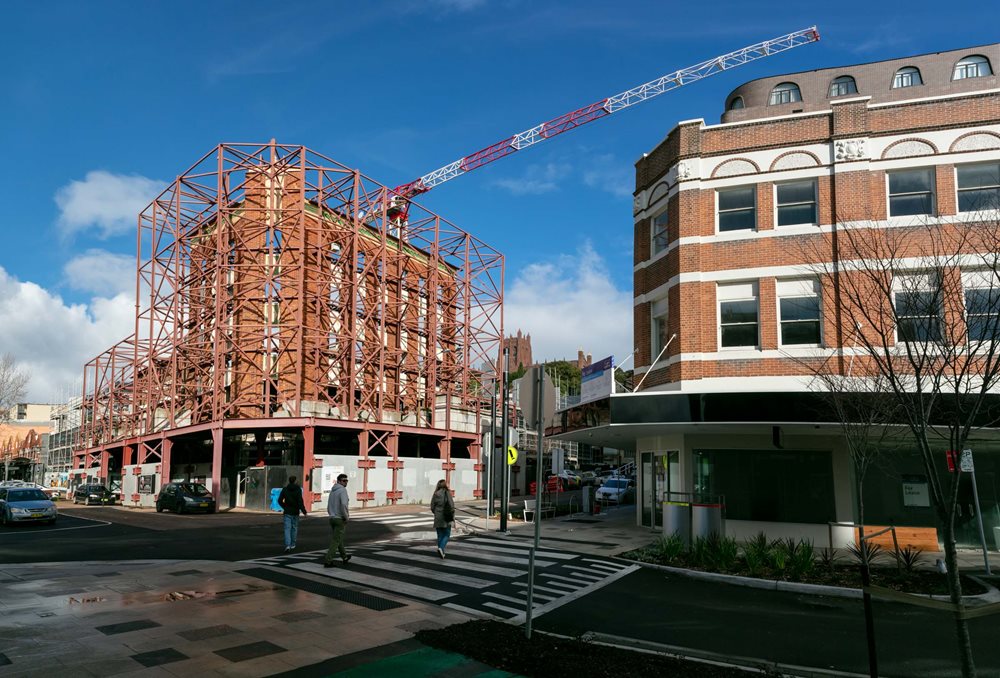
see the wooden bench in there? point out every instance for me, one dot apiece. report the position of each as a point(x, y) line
point(923, 538)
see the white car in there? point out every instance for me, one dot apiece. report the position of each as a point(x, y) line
point(49, 491)
point(616, 490)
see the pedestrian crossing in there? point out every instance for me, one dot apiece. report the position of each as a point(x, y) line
point(423, 519)
point(483, 576)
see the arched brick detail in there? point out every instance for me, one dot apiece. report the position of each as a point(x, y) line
point(794, 160)
point(976, 141)
point(908, 148)
point(735, 167)
point(660, 191)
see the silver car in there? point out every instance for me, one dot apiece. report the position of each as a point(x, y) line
point(26, 504)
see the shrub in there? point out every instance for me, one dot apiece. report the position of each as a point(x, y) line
point(723, 552)
point(782, 553)
point(872, 553)
point(803, 558)
point(756, 553)
point(668, 549)
point(828, 558)
point(910, 556)
point(701, 553)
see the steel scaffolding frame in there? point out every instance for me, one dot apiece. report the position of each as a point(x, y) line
point(273, 283)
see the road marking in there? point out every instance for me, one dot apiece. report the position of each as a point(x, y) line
point(539, 587)
point(567, 588)
point(504, 608)
point(585, 573)
point(470, 611)
point(473, 551)
point(559, 602)
point(390, 520)
point(454, 564)
point(522, 550)
point(100, 523)
point(392, 585)
point(577, 582)
point(604, 568)
point(511, 599)
point(461, 580)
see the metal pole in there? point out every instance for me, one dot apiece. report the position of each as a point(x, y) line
point(979, 519)
point(505, 424)
point(492, 453)
point(540, 431)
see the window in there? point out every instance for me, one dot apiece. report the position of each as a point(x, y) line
point(972, 67)
point(978, 187)
point(658, 323)
point(798, 312)
point(738, 315)
point(660, 232)
point(908, 76)
point(785, 93)
point(911, 192)
point(843, 85)
point(982, 305)
point(737, 209)
point(917, 301)
point(736, 104)
point(797, 203)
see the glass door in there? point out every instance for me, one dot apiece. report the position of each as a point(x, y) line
point(648, 489)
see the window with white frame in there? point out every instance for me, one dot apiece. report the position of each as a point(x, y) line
point(796, 202)
point(659, 232)
point(658, 322)
point(975, 66)
point(981, 290)
point(738, 325)
point(917, 305)
point(737, 208)
point(798, 312)
point(785, 93)
point(845, 84)
point(978, 187)
point(911, 192)
point(908, 76)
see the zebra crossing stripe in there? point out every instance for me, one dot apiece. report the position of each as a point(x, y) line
point(451, 563)
point(522, 549)
point(471, 611)
point(584, 573)
point(604, 568)
point(391, 585)
point(575, 582)
point(461, 580)
point(475, 551)
point(608, 563)
point(390, 520)
point(568, 588)
point(503, 608)
point(539, 587)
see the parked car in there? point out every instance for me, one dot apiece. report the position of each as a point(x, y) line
point(571, 479)
point(616, 490)
point(12, 483)
point(185, 497)
point(588, 478)
point(50, 492)
point(93, 494)
point(26, 504)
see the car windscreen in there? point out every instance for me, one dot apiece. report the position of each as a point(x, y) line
point(26, 495)
point(615, 483)
point(195, 490)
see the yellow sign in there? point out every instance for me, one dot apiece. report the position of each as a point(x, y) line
point(511, 455)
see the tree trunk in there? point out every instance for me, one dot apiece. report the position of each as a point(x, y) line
point(955, 590)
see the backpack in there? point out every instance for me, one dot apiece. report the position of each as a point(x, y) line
point(448, 511)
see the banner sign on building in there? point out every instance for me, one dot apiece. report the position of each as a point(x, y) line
point(597, 380)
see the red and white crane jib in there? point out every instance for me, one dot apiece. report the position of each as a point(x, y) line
point(594, 111)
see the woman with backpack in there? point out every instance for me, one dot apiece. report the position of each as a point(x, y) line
point(443, 508)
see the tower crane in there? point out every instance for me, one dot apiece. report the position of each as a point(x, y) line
point(400, 196)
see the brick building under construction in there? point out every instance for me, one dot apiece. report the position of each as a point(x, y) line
point(291, 321)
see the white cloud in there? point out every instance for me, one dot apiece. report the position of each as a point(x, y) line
point(101, 272)
point(54, 339)
point(607, 173)
point(569, 304)
point(109, 202)
point(536, 180)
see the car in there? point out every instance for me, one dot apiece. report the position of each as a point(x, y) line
point(185, 497)
point(26, 504)
point(588, 478)
point(571, 479)
point(93, 494)
point(50, 492)
point(616, 490)
point(12, 483)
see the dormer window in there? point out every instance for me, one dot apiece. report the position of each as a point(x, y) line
point(975, 66)
point(736, 104)
point(843, 85)
point(908, 76)
point(785, 93)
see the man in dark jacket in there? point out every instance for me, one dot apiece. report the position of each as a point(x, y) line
point(290, 500)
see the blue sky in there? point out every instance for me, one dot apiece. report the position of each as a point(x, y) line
point(105, 102)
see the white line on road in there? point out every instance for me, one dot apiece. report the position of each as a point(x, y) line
point(522, 550)
point(461, 580)
point(539, 587)
point(100, 523)
point(559, 602)
point(452, 563)
point(391, 585)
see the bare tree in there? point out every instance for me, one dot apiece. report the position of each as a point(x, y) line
point(917, 313)
point(13, 381)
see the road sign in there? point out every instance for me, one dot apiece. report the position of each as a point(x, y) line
point(511, 455)
point(949, 455)
point(967, 465)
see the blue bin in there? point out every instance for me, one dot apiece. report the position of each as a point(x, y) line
point(275, 493)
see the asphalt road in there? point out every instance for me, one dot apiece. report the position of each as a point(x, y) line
point(775, 626)
point(108, 533)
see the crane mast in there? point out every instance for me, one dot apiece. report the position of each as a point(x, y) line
point(399, 197)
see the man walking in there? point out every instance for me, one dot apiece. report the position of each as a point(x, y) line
point(291, 502)
point(336, 507)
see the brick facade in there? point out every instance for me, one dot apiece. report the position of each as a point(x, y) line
point(847, 146)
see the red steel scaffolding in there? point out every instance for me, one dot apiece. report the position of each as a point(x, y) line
point(277, 293)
